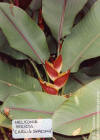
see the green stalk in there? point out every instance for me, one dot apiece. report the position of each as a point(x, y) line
point(33, 64)
point(46, 75)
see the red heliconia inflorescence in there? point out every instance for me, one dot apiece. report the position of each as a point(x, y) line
point(59, 79)
point(48, 87)
point(51, 71)
point(58, 63)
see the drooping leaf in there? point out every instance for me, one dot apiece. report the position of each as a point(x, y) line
point(52, 14)
point(63, 137)
point(92, 70)
point(6, 49)
point(79, 111)
point(5, 122)
point(13, 81)
point(83, 43)
point(22, 33)
point(32, 105)
point(79, 79)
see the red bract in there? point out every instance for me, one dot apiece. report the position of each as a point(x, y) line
point(51, 71)
point(58, 63)
point(48, 87)
point(62, 79)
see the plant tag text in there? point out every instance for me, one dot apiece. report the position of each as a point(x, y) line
point(32, 128)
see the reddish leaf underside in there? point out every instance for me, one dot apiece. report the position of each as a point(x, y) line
point(48, 87)
point(53, 74)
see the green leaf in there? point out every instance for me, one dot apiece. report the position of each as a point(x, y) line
point(62, 137)
point(35, 5)
point(5, 122)
point(78, 80)
point(14, 80)
point(6, 49)
point(83, 43)
point(22, 33)
point(92, 70)
point(81, 111)
point(95, 135)
point(52, 11)
point(32, 105)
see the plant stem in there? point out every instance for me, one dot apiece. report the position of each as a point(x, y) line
point(38, 74)
point(33, 64)
point(61, 25)
point(46, 75)
point(4, 133)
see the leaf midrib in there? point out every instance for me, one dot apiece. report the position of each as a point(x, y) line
point(21, 34)
point(81, 118)
point(11, 85)
point(84, 50)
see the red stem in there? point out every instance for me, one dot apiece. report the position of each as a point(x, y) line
point(61, 24)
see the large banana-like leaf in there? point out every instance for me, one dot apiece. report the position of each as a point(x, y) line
point(78, 80)
point(81, 113)
point(83, 43)
point(32, 105)
point(22, 32)
point(52, 11)
point(13, 81)
point(6, 49)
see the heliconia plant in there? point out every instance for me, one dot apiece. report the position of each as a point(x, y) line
point(50, 65)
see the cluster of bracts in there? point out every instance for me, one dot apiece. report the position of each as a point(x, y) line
point(54, 72)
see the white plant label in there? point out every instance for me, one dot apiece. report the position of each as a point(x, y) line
point(32, 128)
